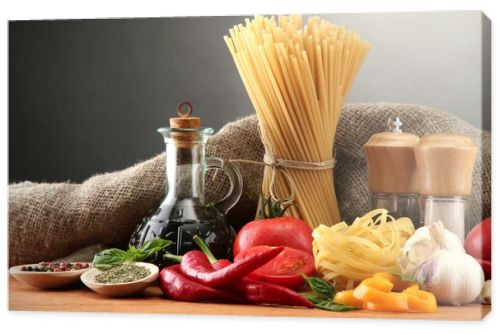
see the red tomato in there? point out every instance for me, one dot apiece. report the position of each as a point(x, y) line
point(282, 231)
point(286, 269)
point(478, 241)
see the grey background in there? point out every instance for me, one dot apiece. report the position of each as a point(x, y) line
point(86, 96)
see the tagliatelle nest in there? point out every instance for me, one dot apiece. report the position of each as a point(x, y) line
point(348, 254)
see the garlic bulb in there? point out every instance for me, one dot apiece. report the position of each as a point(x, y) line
point(454, 278)
point(421, 246)
point(486, 293)
point(436, 259)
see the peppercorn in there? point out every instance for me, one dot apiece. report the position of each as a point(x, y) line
point(49, 266)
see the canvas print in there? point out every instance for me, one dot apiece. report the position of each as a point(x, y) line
point(330, 165)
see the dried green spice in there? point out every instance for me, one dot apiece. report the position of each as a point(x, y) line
point(124, 273)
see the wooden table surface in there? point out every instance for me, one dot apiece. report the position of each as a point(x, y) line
point(80, 299)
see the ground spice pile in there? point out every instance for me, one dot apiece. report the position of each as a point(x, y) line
point(124, 273)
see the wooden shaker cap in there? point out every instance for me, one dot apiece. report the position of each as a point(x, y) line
point(391, 162)
point(445, 164)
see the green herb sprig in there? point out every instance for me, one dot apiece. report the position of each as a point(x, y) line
point(323, 294)
point(404, 277)
point(331, 306)
point(113, 257)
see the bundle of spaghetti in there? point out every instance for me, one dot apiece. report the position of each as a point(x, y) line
point(372, 243)
point(297, 79)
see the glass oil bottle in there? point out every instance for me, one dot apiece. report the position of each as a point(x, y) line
point(184, 212)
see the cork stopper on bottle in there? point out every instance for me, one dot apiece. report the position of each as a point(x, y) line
point(445, 164)
point(391, 161)
point(185, 121)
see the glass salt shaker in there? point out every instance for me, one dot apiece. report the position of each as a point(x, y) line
point(392, 172)
point(445, 165)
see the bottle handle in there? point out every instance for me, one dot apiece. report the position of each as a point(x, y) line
point(235, 183)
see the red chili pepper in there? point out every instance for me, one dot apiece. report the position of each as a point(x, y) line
point(258, 292)
point(196, 265)
point(221, 264)
point(178, 287)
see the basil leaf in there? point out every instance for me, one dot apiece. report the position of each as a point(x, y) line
point(113, 257)
point(312, 298)
point(320, 287)
point(134, 253)
point(110, 258)
point(323, 293)
point(152, 247)
point(404, 277)
point(331, 306)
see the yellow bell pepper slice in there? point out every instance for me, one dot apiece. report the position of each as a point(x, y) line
point(385, 307)
point(420, 301)
point(346, 298)
point(381, 284)
point(384, 292)
point(381, 301)
point(399, 284)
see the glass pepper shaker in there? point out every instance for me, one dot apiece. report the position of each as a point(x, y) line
point(392, 172)
point(184, 212)
point(445, 165)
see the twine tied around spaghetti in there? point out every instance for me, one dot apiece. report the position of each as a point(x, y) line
point(279, 165)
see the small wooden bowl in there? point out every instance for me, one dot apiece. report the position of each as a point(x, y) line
point(120, 289)
point(47, 280)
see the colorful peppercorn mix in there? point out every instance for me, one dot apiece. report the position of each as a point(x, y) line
point(49, 266)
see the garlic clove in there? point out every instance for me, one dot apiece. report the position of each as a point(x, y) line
point(423, 244)
point(420, 251)
point(415, 255)
point(444, 238)
point(486, 293)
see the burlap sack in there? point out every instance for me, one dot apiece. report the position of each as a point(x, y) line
point(48, 221)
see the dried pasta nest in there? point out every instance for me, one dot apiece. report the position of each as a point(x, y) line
point(348, 254)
